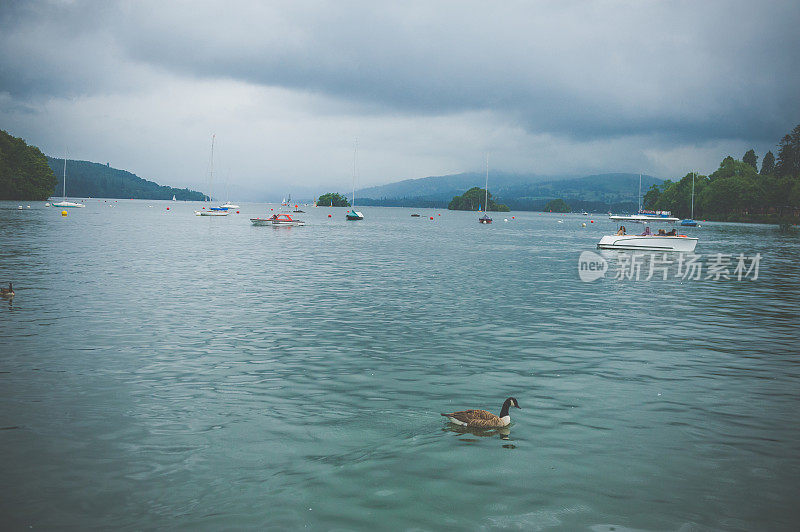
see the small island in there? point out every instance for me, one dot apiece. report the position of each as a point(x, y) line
point(24, 172)
point(473, 198)
point(557, 205)
point(332, 199)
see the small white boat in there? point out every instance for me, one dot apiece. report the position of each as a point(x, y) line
point(585, 213)
point(229, 205)
point(649, 242)
point(211, 213)
point(64, 202)
point(278, 220)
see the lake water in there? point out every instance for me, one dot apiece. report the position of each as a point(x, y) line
point(162, 370)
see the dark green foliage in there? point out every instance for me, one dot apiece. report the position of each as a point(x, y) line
point(93, 180)
point(334, 199)
point(24, 174)
point(768, 164)
point(474, 198)
point(751, 158)
point(788, 164)
point(557, 205)
point(651, 197)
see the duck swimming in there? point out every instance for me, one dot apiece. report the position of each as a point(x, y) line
point(7, 292)
point(483, 419)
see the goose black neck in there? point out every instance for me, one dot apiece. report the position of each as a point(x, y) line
point(504, 410)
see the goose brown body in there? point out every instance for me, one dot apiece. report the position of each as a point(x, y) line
point(483, 419)
point(7, 292)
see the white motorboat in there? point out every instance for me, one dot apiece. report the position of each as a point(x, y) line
point(649, 242)
point(211, 213)
point(278, 220)
point(229, 205)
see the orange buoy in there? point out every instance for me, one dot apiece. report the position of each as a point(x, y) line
point(167, 208)
point(512, 217)
point(591, 221)
point(431, 217)
point(438, 215)
point(329, 216)
point(237, 212)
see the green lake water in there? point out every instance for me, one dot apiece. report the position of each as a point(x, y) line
point(160, 370)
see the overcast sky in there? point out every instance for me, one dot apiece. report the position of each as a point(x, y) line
point(426, 87)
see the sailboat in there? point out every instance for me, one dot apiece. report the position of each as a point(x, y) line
point(690, 222)
point(644, 216)
point(353, 214)
point(485, 218)
point(212, 211)
point(64, 202)
point(173, 198)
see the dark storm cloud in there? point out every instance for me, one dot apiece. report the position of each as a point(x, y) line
point(679, 71)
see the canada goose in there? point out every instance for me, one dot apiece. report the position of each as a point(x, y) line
point(7, 292)
point(483, 419)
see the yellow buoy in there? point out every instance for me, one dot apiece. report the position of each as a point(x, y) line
point(63, 213)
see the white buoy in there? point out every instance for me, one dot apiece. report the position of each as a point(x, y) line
point(505, 219)
point(583, 224)
point(28, 206)
point(47, 204)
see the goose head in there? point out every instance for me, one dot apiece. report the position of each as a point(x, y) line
point(511, 401)
point(7, 291)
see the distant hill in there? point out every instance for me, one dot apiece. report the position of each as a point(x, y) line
point(94, 180)
point(597, 193)
point(443, 188)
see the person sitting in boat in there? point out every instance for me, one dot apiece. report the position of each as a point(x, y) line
point(621, 230)
point(662, 232)
point(674, 232)
point(646, 231)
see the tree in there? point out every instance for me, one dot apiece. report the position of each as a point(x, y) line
point(788, 164)
point(474, 198)
point(24, 173)
point(333, 199)
point(751, 158)
point(768, 164)
point(651, 197)
point(557, 205)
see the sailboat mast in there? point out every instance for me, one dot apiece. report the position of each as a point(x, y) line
point(211, 171)
point(64, 179)
point(640, 191)
point(355, 157)
point(693, 175)
point(486, 197)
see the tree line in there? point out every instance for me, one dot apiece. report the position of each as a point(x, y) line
point(738, 190)
point(24, 173)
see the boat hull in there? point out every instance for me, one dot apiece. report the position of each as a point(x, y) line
point(211, 213)
point(683, 244)
point(354, 215)
point(279, 220)
point(68, 204)
point(643, 218)
point(689, 223)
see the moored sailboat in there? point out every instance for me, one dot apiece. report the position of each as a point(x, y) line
point(353, 214)
point(64, 202)
point(485, 219)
